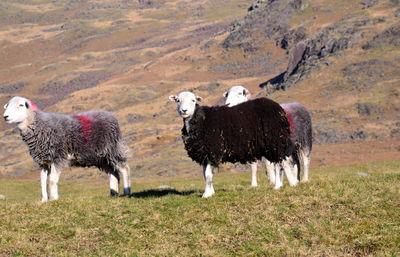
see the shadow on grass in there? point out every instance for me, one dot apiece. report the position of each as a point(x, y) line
point(161, 193)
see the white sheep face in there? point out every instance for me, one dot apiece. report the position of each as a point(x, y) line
point(236, 95)
point(16, 110)
point(186, 103)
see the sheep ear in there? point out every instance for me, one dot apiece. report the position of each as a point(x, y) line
point(199, 98)
point(173, 98)
point(246, 91)
point(225, 95)
point(27, 105)
point(5, 106)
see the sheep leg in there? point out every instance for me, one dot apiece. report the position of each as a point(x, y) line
point(306, 164)
point(254, 174)
point(278, 181)
point(114, 183)
point(53, 181)
point(290, 171)
point(43, 184)
point(208, 175)
point(126, 177)
point(270, 167)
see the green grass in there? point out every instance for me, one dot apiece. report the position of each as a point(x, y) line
point(339, 213)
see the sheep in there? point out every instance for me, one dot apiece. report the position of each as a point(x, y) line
point(56, 141)
point(215, 135)
point(300, 123)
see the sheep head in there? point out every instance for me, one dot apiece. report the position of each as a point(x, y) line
point(236, 95)
point(17, 110)
point(186, 103)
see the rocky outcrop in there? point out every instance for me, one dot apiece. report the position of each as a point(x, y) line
point(268, 18)
point(305, 52)
point(390, 36)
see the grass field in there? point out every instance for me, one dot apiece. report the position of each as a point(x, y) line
point(344, 211)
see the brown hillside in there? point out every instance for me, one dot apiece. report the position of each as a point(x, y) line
point(129, 56)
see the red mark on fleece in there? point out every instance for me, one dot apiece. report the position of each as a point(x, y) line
point(86, 128)
point(290, 119)
point(33, 106)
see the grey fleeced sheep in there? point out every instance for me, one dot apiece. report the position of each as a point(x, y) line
point(214, 135)
point(56, 141)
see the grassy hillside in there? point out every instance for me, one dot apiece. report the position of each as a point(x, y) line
point(344, 211)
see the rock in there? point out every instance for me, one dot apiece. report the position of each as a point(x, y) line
point(64, 84)
point(367, 109)
point(323, 133)
point(133, 118)
point(144, 4)
point(397, 13)
point(310, 52)
point(295, 56)
point(390, 36)
point(395, 133)
point(358, 135)
point(210, 87)
point(369, 3)
point(12, 88)
point(374, 69)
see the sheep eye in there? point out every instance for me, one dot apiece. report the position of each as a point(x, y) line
point(193, 101)
point(21, 105)
point(240, 94)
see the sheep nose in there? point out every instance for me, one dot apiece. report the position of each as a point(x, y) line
point(5, 117)
point(184, 111)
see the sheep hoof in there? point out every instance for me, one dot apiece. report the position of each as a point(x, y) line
point(113, 193)
point(127, 192)
point(304, 181)
point(44, 200)
point(254, 185)
point(277, 187)
point(208, 194)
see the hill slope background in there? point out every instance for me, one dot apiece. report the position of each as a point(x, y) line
point(341, 60)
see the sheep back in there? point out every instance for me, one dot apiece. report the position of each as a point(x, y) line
point(242, 133)
point(301, 126)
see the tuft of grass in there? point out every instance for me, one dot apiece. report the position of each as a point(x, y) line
point(339, 213)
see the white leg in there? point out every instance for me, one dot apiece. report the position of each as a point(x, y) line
point(254, 174)
point(288, 168)
point(43, 184)
point(278, 182)
point(208, 175)
point(53, 181)
point(126, 177)
point(114, 184)
point(270, 171)
point(306, 164)
point(295, 171)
